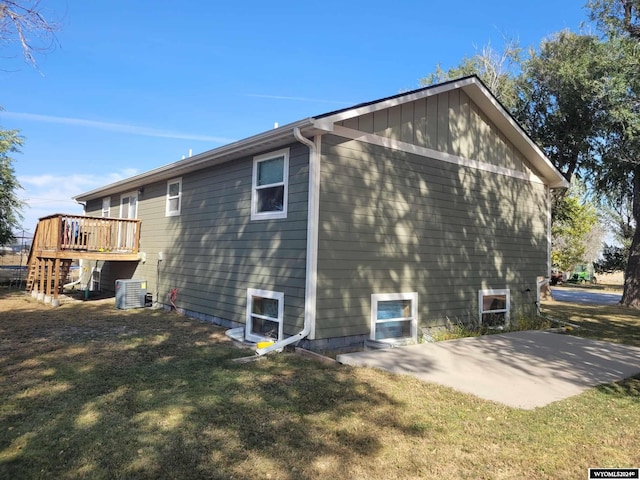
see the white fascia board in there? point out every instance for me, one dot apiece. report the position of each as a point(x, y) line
point(248, 146)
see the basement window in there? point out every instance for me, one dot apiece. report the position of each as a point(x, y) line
point(394, 317)
point(265, 312)
point(270, 185)
point(494, 306)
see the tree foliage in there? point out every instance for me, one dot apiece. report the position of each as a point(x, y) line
point(574, 230)
point(614, 259)
point(561, 99)
point(10, 204)
point(616, 16)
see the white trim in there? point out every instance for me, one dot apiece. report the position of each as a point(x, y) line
point(255, 214)
point(313, 222)
point(490, 291)
point(390, 143)
point(413, 318)
point(167, 211)
point(131, 195)
point(279, 296)
point(548, 205)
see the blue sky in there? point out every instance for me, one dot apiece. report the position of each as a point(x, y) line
point(134, 85)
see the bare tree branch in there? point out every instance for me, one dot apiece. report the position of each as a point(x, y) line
point(22, 22)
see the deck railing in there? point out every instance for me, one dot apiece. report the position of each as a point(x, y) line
point(61, 232)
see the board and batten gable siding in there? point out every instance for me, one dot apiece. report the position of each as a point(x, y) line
point(213, 251)
point(449, 122)
point(393, 222)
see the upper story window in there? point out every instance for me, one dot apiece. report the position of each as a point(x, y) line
point(106, 207)
point(174, 197)
point(269, 185)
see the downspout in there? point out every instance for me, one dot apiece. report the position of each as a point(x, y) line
point(313, 211)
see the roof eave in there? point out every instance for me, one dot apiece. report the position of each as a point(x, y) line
point(271, 138)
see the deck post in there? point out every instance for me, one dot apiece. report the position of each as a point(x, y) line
point(43, 273)
point(47, 293)
point(55, 302)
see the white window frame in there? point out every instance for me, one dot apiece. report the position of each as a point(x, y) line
point(127, 232)
point(173, 213)
point(502, 291)
point(255, 214)
point(106, 212)
point(129, 195)
point(279, 296)
point(413, 318)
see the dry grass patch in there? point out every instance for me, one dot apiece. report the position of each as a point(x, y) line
point(87, 391)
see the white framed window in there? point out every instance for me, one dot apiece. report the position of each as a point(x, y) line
point(494, 307)
point(269, 188)
point(129, 205)
point(174, 197)
point(394, 317)
point(128, 210)
point(106, 207)
point(265, 312)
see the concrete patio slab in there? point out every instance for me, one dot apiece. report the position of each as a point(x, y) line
point(520, 369)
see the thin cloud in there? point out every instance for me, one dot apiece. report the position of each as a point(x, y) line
point(115, 127)
point(297, 99)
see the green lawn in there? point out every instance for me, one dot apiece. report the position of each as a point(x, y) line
point(87, 391)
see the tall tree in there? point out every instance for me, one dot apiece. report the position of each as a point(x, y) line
point(618, 164)
point(10, 204)
point(561, 99)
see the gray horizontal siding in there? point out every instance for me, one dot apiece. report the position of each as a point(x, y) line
point(394, 222)
point(213, 251)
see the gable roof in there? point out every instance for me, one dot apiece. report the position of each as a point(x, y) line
point(324, 123)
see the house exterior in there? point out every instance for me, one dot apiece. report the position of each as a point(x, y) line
point(372, 222)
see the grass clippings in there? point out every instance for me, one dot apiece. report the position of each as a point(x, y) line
point(87, 391)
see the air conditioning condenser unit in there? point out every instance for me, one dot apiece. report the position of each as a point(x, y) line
point(130, 294)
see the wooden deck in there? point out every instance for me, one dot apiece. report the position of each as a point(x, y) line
point(59, 239)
